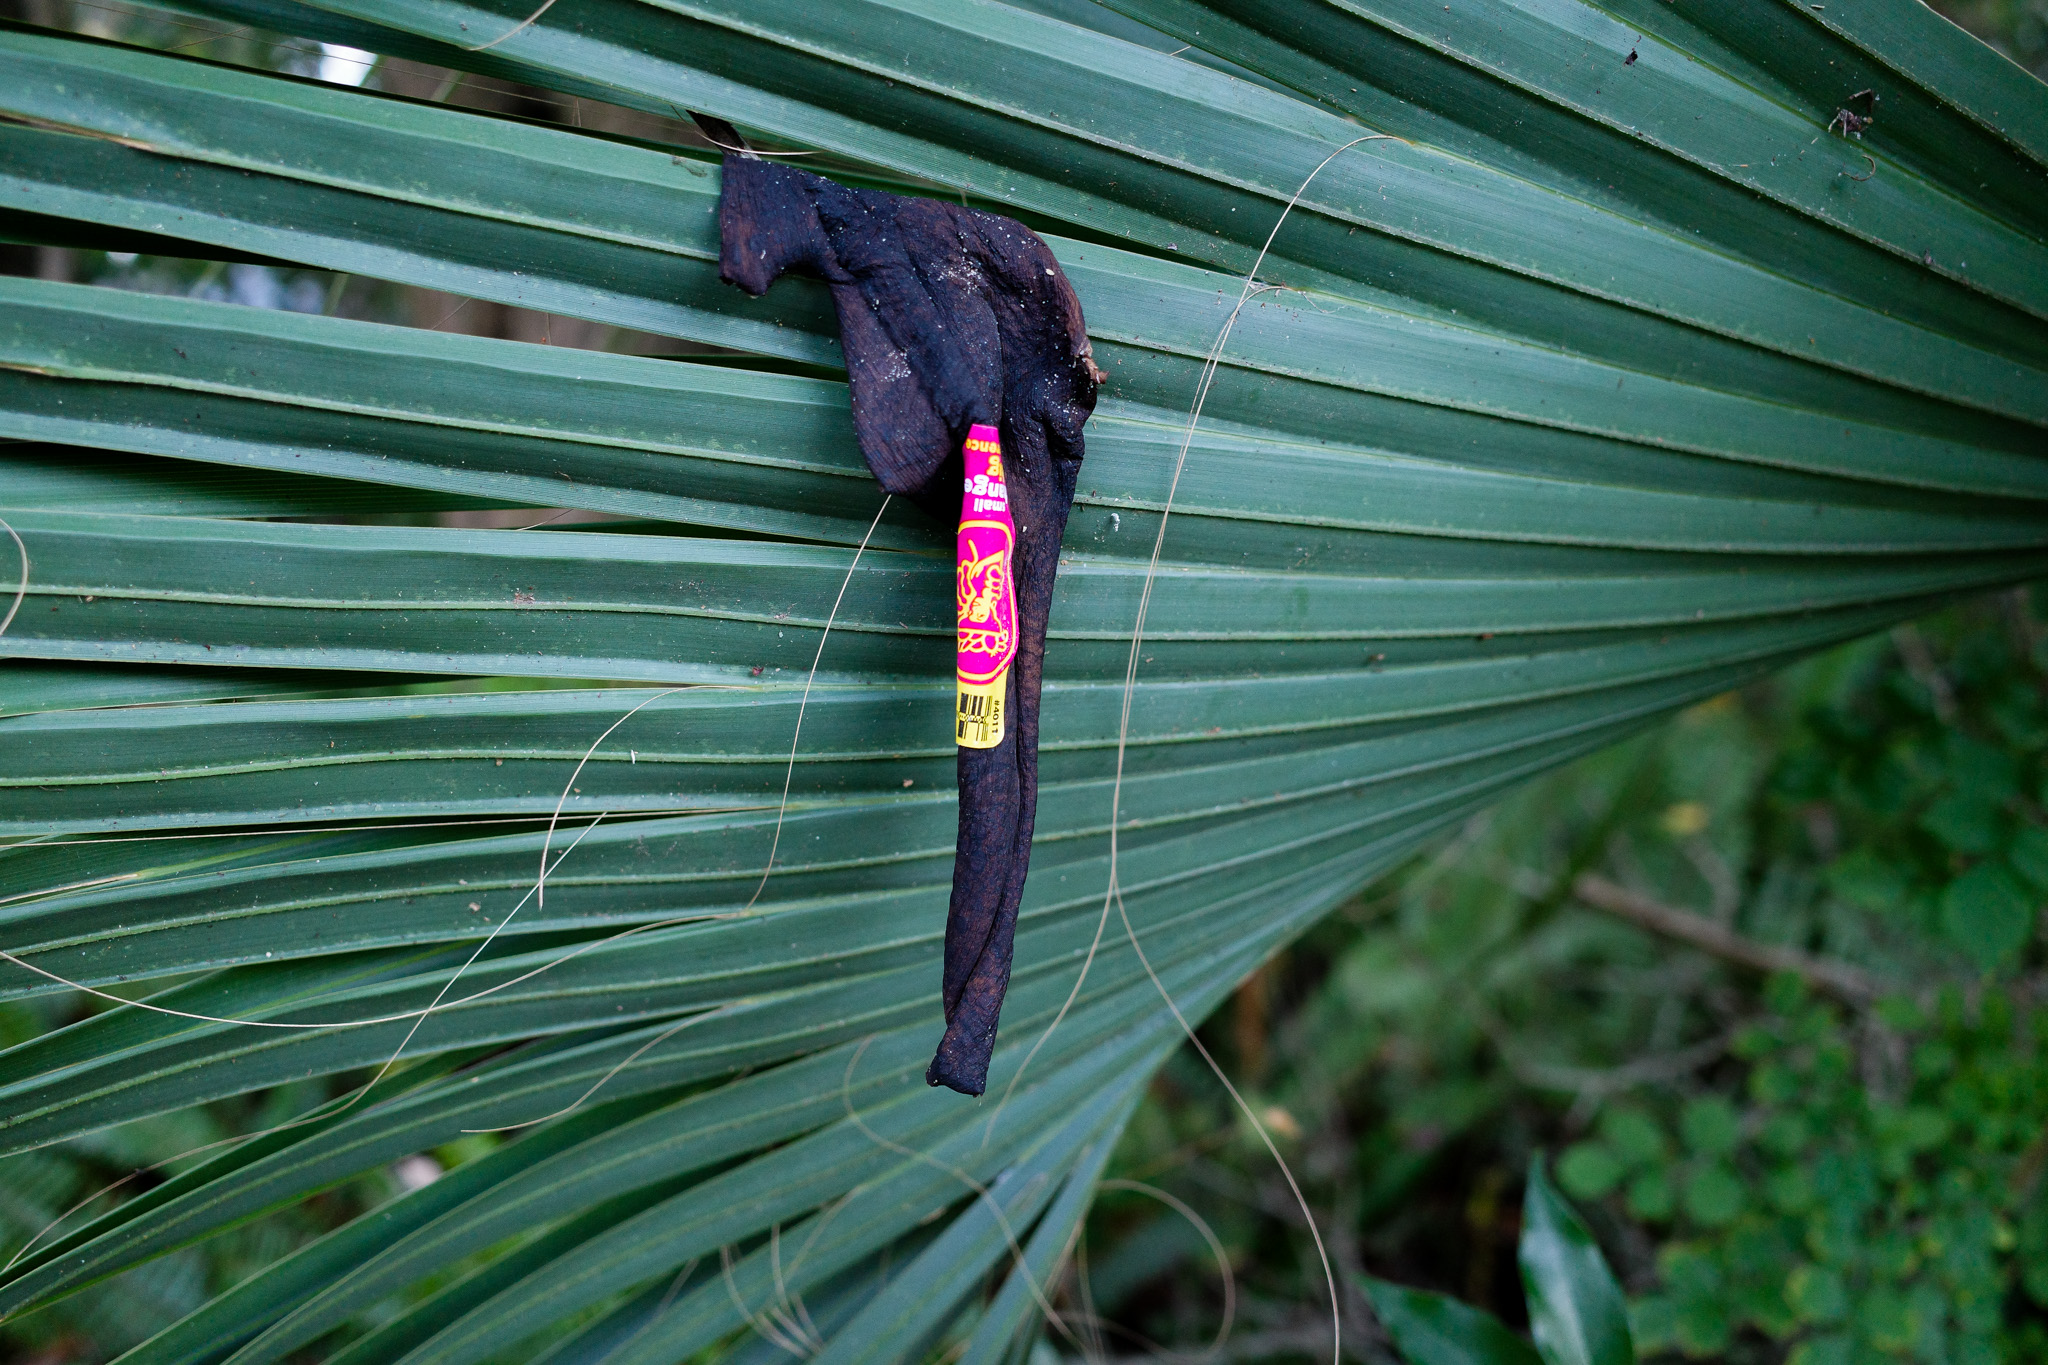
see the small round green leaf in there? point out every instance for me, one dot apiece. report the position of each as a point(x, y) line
point(1710, 1126)
point(1713, 1197)
point(1988, 914)
point(1590, 1170)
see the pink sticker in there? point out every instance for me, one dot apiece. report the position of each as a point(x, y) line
point(986, 561)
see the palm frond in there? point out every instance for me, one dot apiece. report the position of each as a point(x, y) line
point(1601, 376)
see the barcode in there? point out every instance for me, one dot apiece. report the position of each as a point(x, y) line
point(979, 718)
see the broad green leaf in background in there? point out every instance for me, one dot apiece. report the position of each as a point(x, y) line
point(1435, 1329)
point(1576, 1311)
point(1600, 378)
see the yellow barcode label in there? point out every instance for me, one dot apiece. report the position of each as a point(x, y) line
point(978, 714)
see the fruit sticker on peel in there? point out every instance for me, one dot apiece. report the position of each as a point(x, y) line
point(987, 555)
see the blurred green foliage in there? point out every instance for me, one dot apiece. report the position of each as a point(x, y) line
point(48, 1192)
point(1865, 1216)
point(2018, 28)
point(1778, 1174)
point(1869, 1182)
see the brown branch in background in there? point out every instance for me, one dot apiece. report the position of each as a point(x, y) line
point(1590, 1085)
point(2028, 1169)
point(1594, 1084)
point(1252, 1020)
point(2018, 605)
point(1848, 984)
point(1919, 661)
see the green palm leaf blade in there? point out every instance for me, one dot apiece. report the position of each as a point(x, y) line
point(29, 687)
point(1576, 409)
point(628, 178)
point(707, 750)
point(748, 1107)
point(87, 1075)
point(1005, 106)
point(665, 1145)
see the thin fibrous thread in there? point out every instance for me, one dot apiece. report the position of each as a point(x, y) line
point(817, 1229)
point(319, 1112)
point(740, 149)
point(86, 885)
point(759, 1323)
point(628, 1060)
point(547, 869)
point(675, 1287)
point(755, 152)
point(152, 1008)
point(528, 22)
point(21, 589)
point(1112, 894)
point(51, 1226)
point(419, 1017)
point(789, 774)
point(1208, 1235)
point(1084, 1290)
point(980, 1190)
point(789, 1307)
point(368, 827)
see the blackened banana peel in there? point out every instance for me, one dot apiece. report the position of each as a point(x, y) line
point(950, 318)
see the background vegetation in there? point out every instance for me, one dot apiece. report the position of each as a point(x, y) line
point(1767, 982)
point(1770, 1159)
